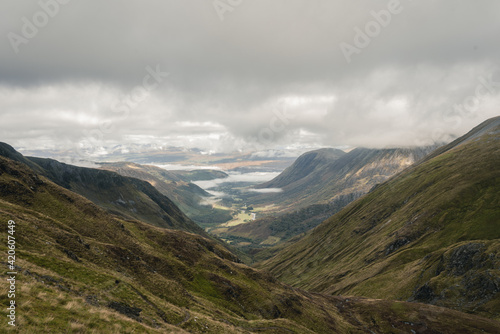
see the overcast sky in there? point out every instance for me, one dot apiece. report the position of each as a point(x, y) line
point(246, 74)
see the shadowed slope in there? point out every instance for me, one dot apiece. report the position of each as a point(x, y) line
point(177, 186)
point(125, 196)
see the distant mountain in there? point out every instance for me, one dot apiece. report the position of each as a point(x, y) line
point(306, 165)
point(430, 234)
point(321, 176)
point(177, 186)
point(319, 184)
point(81, 269)
point(185, 176)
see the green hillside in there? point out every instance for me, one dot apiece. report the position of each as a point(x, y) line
point(83, 270)
point(430, 234)
point(125, 196)
point(177, 186)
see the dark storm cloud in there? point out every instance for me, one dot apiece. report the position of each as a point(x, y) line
point(232, 81)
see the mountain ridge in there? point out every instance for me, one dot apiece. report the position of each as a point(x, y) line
point(354, 172)
point(306, 164)
point(177, 186)
point(477, 131)
point(432, 231)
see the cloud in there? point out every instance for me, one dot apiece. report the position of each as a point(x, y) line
point(267, 190)
point(230, 82)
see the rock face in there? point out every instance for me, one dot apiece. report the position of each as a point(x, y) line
point(129, 311)
point(465, 258)
point(424, 294)
point(474, 274)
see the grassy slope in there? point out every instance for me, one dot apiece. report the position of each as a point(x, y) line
point(129, 197)
point(177, 186)
point(429, 234)
point(82, 270)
